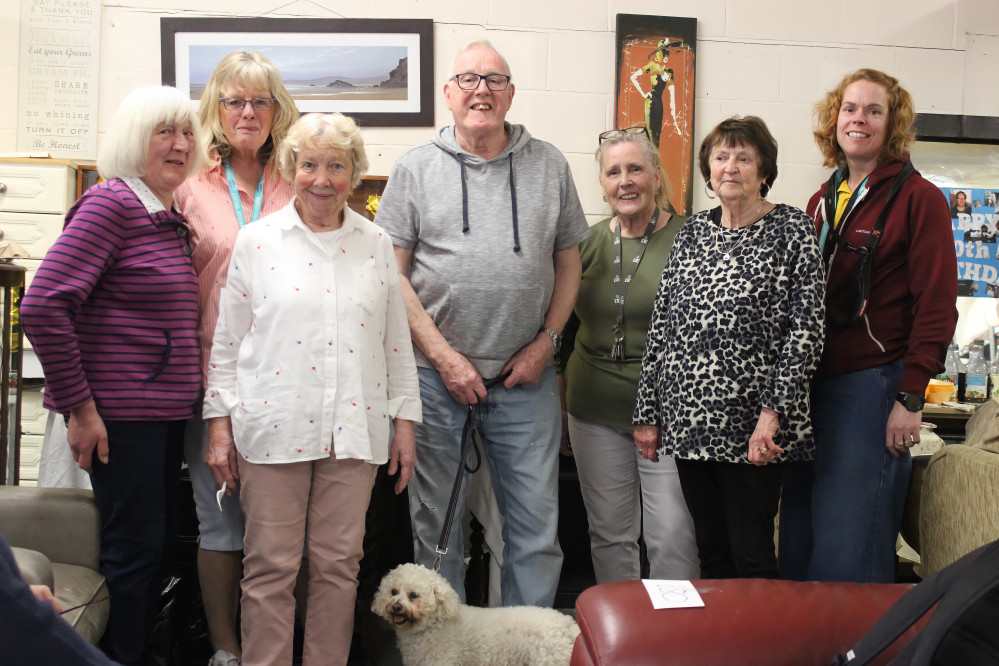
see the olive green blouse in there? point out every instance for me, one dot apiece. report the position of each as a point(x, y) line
point(599, 389)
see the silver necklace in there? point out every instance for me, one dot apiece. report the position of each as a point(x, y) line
point(726, 250)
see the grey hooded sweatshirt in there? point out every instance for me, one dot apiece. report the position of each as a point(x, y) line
point(483, 234)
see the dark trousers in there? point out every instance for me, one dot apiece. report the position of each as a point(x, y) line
point(135, 493)
point(733, 506)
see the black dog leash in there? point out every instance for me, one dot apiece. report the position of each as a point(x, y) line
point(467, 441)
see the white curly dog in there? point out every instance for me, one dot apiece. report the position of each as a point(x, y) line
point(434, 628)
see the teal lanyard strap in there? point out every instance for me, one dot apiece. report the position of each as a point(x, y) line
point(237, 205)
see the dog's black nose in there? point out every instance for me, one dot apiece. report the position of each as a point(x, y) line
point(397, 608)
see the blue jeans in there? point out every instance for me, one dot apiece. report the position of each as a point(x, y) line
point(135, 496)
point(522, 428)
point(840, 516)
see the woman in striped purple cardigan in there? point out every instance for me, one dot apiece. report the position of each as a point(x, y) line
point(112, 315)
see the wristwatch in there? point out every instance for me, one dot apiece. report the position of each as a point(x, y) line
point(911, 401)
point(556, 339)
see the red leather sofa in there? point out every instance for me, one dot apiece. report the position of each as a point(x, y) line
point(747, 622)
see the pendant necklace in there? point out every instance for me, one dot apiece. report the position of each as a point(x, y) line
point(726, 250)
point(622, 282)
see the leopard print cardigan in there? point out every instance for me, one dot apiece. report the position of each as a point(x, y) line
point(737, 326)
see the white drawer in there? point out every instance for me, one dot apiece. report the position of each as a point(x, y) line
point(37, 188)
point(35, 231)
point(33, 415)
point(31, 455)
point(27, 483)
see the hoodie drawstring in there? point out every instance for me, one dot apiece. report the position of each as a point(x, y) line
point(464, 198)
point(513, 203)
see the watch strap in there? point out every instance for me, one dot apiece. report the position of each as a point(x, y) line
point(556, 338)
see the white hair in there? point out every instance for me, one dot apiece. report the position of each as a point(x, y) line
point(322, 131)
point(125, 148)
point(471, 46)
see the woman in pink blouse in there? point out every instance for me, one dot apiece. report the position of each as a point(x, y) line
point(245, 113)
point(310, 366)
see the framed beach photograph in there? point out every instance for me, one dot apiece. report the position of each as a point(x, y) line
point(655, 88)
point(378, 71)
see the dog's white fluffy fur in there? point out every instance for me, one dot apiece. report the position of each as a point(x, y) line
point(435, 629)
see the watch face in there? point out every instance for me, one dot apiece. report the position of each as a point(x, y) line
point(913, 402)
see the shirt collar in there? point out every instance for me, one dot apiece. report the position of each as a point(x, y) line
point(844, 188)
point(149, 200)
point(292, 219)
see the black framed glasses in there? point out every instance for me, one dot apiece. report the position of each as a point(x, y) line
point(610, 134)
point(470, 81)
point(258, 103)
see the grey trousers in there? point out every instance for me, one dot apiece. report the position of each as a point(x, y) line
point(627, 496)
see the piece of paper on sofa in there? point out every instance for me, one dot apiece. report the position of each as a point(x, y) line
point(672, 594)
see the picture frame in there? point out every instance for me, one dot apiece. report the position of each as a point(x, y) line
point(377, 71)
point(654, 88)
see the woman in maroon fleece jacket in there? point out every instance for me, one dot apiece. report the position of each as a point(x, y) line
point(840, 515)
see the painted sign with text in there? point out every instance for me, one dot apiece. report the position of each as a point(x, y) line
point(57, 77)
point(973, 219)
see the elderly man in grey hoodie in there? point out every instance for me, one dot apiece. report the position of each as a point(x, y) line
point(486, 225)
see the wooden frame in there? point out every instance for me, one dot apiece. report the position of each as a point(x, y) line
point(655, 88)
point(378, 71)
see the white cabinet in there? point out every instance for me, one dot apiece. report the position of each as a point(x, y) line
point(34, 197)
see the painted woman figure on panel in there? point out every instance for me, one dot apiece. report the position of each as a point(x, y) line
point(661, 80)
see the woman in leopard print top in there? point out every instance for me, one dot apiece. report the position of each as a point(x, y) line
point(734, 340)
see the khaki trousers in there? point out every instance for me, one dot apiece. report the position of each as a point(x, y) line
point(279, 500)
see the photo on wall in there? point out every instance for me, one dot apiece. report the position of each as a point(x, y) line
point(378, 71)
point(976, 227)
point(655, 89)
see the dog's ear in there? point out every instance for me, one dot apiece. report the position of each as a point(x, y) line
point(446, 598)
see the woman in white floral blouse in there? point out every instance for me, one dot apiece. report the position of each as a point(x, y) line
point(311, 364)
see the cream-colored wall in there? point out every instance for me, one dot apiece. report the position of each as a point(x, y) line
point(773, 58)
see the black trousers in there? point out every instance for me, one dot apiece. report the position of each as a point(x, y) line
point(733, 506)
point(135, 495)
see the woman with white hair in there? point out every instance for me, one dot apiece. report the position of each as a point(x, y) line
point(311, 363)
point(112, 315)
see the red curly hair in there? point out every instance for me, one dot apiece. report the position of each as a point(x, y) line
point(901, 117)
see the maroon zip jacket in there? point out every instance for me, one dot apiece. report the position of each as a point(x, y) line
point(912, 310)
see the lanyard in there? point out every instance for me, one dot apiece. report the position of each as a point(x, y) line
point(617, 352)
point(237, 205)
point(829, 216)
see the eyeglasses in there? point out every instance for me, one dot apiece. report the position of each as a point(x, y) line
point(470, 81)
point(258, 103)
point(609, 134)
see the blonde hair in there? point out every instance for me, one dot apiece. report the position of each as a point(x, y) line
point(125, 148)
point(244, 69)
point(901, 118)
point(650, 153)
point(324, 131)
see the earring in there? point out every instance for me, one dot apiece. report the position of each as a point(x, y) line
point(764, 190)
point(605, 198)
point(707, 191)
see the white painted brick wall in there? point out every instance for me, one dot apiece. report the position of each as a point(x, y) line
point(774, 58)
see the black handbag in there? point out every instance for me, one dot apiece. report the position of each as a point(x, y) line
point(963, 628)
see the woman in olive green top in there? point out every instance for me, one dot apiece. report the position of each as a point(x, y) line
point(623, 259)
